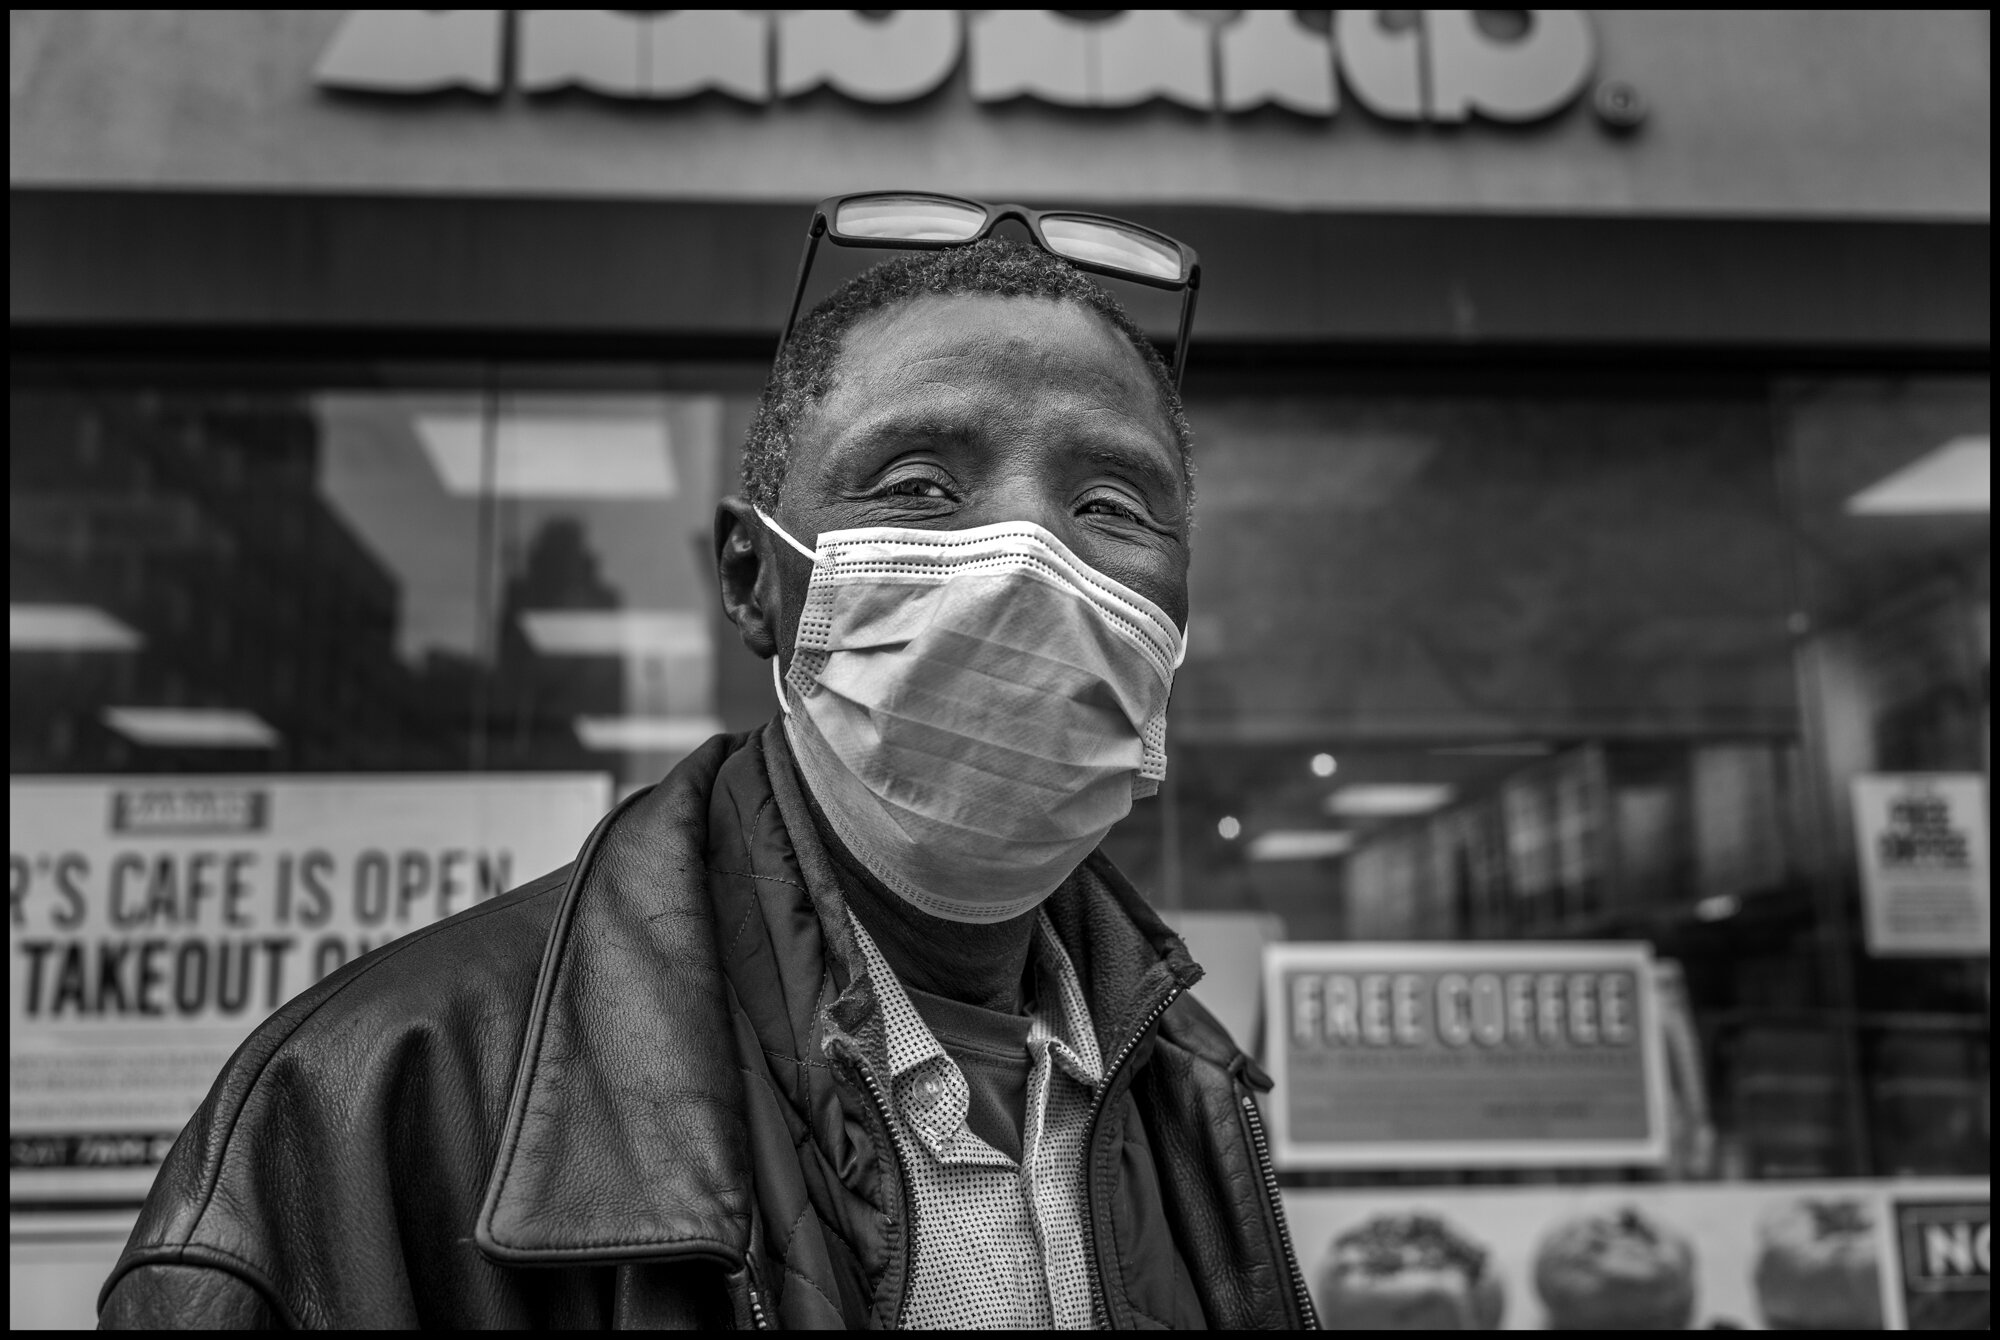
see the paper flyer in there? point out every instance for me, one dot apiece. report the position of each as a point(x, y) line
point(154, 921)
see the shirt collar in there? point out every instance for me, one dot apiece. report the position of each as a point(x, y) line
point(1063, 1024)
point(930, 1092)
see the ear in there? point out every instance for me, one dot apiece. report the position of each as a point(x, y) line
point(747, 575)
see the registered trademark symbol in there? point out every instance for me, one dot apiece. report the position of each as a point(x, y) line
point(1619, 105)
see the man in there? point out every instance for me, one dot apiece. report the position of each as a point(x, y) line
point(845, 1023)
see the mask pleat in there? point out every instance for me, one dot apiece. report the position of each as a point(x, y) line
point(975, 708)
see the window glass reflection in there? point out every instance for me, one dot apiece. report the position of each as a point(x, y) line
point(339, 577)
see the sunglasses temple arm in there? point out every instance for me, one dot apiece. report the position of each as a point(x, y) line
point(799, 289)
point(1187, 326)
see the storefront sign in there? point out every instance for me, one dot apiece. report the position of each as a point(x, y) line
point(1850, 1255)
point(1945, 1250)
point(1441, 65)
point(154, 921)
point(1921, 841)
point(1464, 1055)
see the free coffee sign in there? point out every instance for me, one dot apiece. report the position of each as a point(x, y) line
point(1464, 1055)
point(1925, 882)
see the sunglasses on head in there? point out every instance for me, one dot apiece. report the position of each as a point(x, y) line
point(1098, 243)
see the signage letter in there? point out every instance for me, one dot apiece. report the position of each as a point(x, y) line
point(691, 50)
point(1269, 56)
point(1307, 1012)
point(413, 51)
point(901, 56)
point(1522, 80)
point(1153, 53)
point(628, 55)
point(1033, 53)
point(1118, 62)
point(1380, 64)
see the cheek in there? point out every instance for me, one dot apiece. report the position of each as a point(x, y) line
point(794, 575)
point(1161, 578)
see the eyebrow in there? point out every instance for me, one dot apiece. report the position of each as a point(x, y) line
point(896, 426)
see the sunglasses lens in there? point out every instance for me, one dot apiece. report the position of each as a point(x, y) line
point(1104, 243)
point(910, 218)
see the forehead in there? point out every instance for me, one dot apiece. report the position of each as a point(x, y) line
point(1038, 349)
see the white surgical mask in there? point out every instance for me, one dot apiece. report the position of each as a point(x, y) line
point(974, 709)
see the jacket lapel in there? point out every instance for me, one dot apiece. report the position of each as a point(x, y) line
point(624, 1137)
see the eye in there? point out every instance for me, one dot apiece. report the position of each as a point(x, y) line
point(915, 486)
point(1111, 504)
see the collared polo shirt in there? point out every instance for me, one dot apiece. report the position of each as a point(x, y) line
point(997, 1243)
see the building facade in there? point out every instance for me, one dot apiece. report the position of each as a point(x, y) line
point(1592, 424)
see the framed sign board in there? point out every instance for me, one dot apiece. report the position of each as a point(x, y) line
point(1464, 1055)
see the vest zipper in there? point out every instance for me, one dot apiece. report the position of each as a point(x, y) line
point(1103, 1299)
point(874, 1088)
point(1262, 1146)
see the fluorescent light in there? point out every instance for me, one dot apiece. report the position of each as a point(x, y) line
point(1719, 908)
point(1304, 844)
point(645, 734)
point(635, 634)
point(602, 453)
point(192, 727)
point(67, 628)
point(1956, 477)
point(1510, 749)
point(1386, 800)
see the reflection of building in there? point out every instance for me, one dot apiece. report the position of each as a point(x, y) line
point(1598, 842)
point(196, 523)
point(536, 699)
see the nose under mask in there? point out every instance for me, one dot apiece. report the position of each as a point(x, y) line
point(974, 709)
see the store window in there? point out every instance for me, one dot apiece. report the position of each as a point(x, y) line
point(1481, 659)
point(1667, 660)
point(411, 570)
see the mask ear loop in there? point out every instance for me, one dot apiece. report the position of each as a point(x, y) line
point(777, 680)
point(782, 533)
point(1181, 657)
point(778, 687)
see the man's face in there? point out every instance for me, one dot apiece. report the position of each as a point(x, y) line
point(956, 411)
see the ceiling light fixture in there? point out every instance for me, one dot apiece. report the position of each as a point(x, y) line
point(1956, 477)
point(1719, 908)
point(634, 634)
point(1304, 844)
point(1386, 800)
point(646, 734)
point(67, 628)
point(1499, 749)
point(192, 727)
point(609, 453)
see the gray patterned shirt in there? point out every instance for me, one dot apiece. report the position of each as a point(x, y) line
point(998, 1244)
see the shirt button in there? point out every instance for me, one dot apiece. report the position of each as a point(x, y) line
point(930, 1088)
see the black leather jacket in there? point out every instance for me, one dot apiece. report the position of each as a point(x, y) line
point(631, 1093)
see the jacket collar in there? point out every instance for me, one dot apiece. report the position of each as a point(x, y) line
point(624, 1138)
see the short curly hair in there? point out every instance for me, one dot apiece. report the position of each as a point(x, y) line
point(804, 370)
